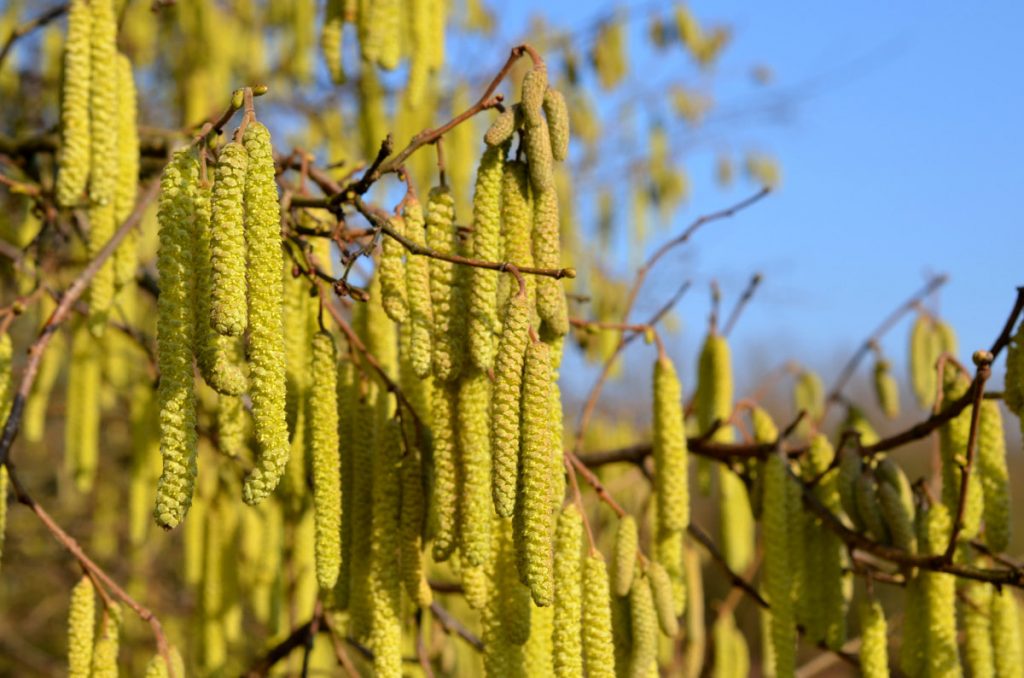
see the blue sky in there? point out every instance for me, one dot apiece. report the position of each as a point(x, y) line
point(901, 156)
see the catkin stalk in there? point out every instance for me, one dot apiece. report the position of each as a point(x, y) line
point(266, 330)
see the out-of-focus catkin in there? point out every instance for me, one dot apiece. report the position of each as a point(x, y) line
point(385, 584)
point(104, 654)
point(778, 564)
point(568, 640)
point(417, 280)
point(874, 659)
point(326, 461)
point(392, 273)
point(126, 255)
point(661, 588)
point(887, 391)
point(939, 590)
point(924, 351)
point(626, 545)
point(175, 330)
point(976, 606)
point(412, 524)
point(1006, 639)
point(484, 325)
point(644, 627)
point(448, 338)
point(995, 479)
point(505, 403)
point(266, 329)
point(81, 628)
point(953, 440)
point(227, 242)
point(73, 156)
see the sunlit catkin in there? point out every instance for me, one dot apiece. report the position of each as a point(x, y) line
point(448, 338)
point(995, 479)
point(73, 156)
point(81, 628)
point(474, 451)
point(874, 660)
point(670, 454)
point(779, 564)
point(504, 126)
point(644, 626)
point(626, 546)
point(505, 404)
point(939, 590)
point(326, 462)
point(445, 498)
point(887, 391)
point(534, 498)
point(484, 325)
point(392, 273)
point(104, 157)
point(266, 331)
point(547, 253)
point(557, 113)
point(953, 440)
point(175, 329)
point(1006, 639)
point(126, 255)
point(568, 640)
point(385, 583)
point(331, 37)
point(661, 588)
point(976, 606)
point(417, 280)
point(227, 242)
point(104, 654)
point(517, 228)
point(924, 351)
point(412, 524)
point(598, 646)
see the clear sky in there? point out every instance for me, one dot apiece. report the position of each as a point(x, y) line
point(901, 150)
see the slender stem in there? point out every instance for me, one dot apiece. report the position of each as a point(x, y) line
point(29, 26)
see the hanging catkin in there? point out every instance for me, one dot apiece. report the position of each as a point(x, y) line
point(484, 326)
point(385, 584)
point(126, 255)
point(174, 340)
point(1014, 381)
point(412, 524)
point(227, 242)
point(778, 564)
point(104, 655)
point(567, 639)
point(644, 627)
point(517, 229)
point(82, 419)
point(924, 351)
point(392, 273)
point(670, 454)
point(103, 151)
point(547, 253)
point(505, 407)
point(995, 479)
point(669, 554)
point(953, 439)
point(266, 331)
point(874, 660)
point(939, 591)
point(81, 628)
point(557, 113)
point(1009, 658)
point(474, 452)
point(445, 498)
point(626, 545)
point(73, 156)
point(976, 606)
point(217, 360)
point(509, 597)
point(887, 391)
point(331, 37)
point(504, 126)
point(349, 436)
point(661, 589)
point(417, 280)
point(809, 396)
point(598, 646)
point(445, 294)
point(534, 505)
point(326, 462)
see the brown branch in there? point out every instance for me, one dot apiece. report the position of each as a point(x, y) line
point(736, 580)
point(29, 26)
point(297, 638)
point(744, 299)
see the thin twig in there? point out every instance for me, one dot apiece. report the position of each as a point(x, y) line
point(738, 581)
point(744, 299)
point(29, 26)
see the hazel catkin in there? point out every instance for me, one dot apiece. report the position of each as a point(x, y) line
point(326, 462)
point(505, 403)
point(644, 627)
point(887, 391)
point(266, 330)
point(445, 293)
point(474, 457)
point(995, 479)
point(73, 155)
point(557, 113)
point(385, 584)
point(778, 564)
point(81, 628)
point(392, 273)
point(104, 654)
point(670, 453)
point(661, 588)
point(567, 639)
point(976, 607)
point(504, 126)
point(484, 325)
point(924, 351)
point(547, 253)
point(227, 242)
point(417, 281)
point(1009, 657)
point(598, 646)
point(626, 546)
point(175, 330)
point(126, 255)
point(445, 497)
point(874, 662)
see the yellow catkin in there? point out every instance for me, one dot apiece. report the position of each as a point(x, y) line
point(227, 242)
point(874, 660)
point(995, 479)
point(809, 396)
point(212, 588)
point(510, 598)
point(1006, 639)
point(1014, 381)
point(73, 156)
point(385, 583)
point(448, 337)
point(866, 496)
point(4, 488)
point(939, 593)
point(850, 468)
point(534, 498)
point(484, 325)
point(104, 157)
point(538, 154)
point(976, 606)
point(626, 546)
point(924, 351)
point(670, 453)
point(326, 461)
point(517, 229)
point(157, 666)
point(557, 113)
point(644, 627)
point(505, 407)
point(82, 419)
point(953, 439)
point(598, 646)
point(661, 588)
point(392, 273)
point(504, 126)
point(34, 419)
point(474, 584)
point(420, 61)
point(669, 554)
point(81, 628)
point(380, 32)
point(104, 655)
point(232, 425)
point(445, 497)
point(887, 391)
point(331, 40)
point(417, 280)
point(779, 564)
point(218, 362)
point(534, 85)
point(547, 253)
point(412, 524)
point(357, 476)
point(126, 255)
point(349, 407)
point(474, 450)
point(567, 639)
point(899, 523)
point(175, 332)
point(266, 330)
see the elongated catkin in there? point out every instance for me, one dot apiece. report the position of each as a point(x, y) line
point(394, 295)
point(505, 407)
point(417, 280)
point(446, 481)
point(484, 325)
point(568, 639)
point(385, 584)
point(448, 338)
point(598, 646)
point(81, 628)
point(227, 241)
point(626, 545)
point(326, 461)
point(74, 153)
point(266, 330)
point(670, 453)
point(474, 457)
